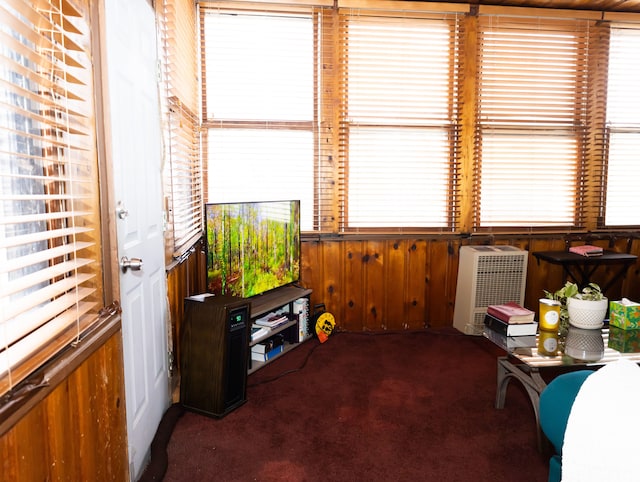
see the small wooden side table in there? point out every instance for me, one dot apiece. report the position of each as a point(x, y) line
point(581, 268)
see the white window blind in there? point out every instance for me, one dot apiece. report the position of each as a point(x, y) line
point(532, 92)
point(623, 122)
point(399, 121)
point(183, 177)
point(50, 283)
point(258, 90)
point(182, 173)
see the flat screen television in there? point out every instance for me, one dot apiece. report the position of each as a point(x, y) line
point(252, 247)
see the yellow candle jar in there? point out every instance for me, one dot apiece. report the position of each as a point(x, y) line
point(549, 315)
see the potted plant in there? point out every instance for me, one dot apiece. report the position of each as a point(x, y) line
point(588, 308)
point(584, 308)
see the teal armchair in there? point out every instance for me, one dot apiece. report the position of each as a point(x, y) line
point(556, 401)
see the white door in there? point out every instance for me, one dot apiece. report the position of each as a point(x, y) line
point(133, 120)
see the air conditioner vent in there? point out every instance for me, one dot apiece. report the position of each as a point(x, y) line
point(487, 275)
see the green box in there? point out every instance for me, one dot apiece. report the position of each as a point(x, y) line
point(625, 341)
point(626, 317)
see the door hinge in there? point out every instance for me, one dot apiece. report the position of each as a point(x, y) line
point(170, 363)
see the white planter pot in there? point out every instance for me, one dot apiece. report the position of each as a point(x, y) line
point(587, 314)
point(584, 345)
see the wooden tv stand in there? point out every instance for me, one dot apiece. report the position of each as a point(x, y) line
point(272, 301)
point(215, 347)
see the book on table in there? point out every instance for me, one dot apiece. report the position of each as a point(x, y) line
point(508, 343)
point(510, 329)
point(511, 312)
point(587, 250)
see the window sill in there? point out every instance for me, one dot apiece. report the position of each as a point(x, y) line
point(18, 402)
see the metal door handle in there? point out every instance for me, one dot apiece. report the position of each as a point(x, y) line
point(134, 263)
point(121, 211)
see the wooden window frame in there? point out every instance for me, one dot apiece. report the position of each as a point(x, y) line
point(253, 127)
point(331, 159)
point(622, 95)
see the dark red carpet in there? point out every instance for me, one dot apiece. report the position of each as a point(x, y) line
point(388, 407)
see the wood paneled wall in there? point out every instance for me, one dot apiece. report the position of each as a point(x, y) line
point(184, 279)
point(377, 284)
point(78, 431)
point(373, 285)
point(400, 284)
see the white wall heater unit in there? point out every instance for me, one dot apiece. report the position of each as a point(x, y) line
point(487, 275)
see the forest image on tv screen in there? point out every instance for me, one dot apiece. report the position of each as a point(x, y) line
point(252, 247)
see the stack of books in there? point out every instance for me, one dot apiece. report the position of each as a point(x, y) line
point(272, 320)
point(267, 349)
point(510, 325)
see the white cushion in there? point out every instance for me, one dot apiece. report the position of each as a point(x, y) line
point(603, 430)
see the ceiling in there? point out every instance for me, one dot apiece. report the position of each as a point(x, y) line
point(599, 5)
